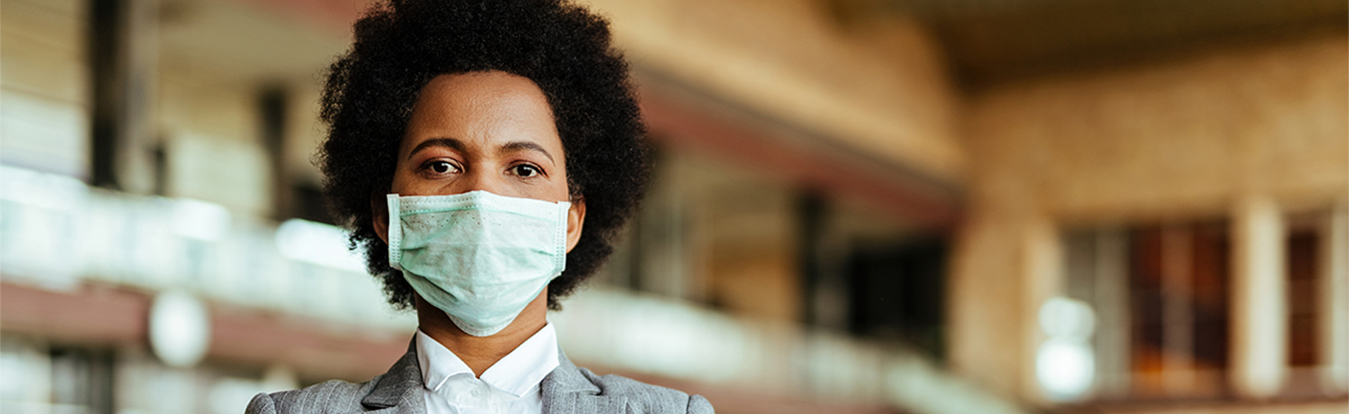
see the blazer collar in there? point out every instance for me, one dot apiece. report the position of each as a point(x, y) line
point(399, 390)
point(568, 390)
point(565, 390)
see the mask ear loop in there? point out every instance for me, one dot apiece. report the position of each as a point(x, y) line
point(560, 259)
point(395, 231)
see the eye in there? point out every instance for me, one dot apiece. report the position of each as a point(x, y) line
point(526, 170)
point(441, 167)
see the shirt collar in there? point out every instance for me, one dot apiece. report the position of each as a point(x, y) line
point(516, 373)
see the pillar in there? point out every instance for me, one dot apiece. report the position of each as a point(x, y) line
point(1335, 303)
point(123, 50)
point(1259, 334)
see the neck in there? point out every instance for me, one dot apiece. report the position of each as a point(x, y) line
point(481, 352)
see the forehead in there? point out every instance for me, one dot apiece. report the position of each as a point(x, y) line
point(483, 107)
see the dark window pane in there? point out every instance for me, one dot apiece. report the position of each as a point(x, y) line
point(1302, 303)
point(1210, 278)
point(1145, 276)
point(1179, 279)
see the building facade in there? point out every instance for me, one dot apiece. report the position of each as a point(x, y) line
point(857, 206)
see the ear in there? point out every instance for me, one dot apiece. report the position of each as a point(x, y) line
point(576, 218)
point(379, 214)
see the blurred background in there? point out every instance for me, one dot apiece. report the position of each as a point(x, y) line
point(859, 206)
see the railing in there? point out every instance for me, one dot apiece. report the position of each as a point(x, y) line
point(58, 233)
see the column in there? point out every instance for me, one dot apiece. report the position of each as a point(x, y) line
point(123, 50)
point(1259, 318)
point(272, 104)
point(1043, 261)
point(1112, 312)
point(825, 297)
point(1335, 303)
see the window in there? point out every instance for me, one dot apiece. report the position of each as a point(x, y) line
point(1303, 244)
point(1314, 268)
point(1178, 289)
point(896, 293)
point(1160, 296)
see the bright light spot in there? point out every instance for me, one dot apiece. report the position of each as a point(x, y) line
point(200, 220)
point(180, 329)
point(278, 378)
point(48, 191)
point(1067, 318)
point(317, 243)
point(1065, 368)
point(231, 395)
point(1065, 364)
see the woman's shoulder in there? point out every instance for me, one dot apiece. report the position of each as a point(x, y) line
point(647, 398)
point(322, 398)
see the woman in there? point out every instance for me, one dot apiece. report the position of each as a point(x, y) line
point(484, 153)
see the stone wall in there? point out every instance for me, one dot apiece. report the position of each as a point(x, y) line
point(1183, 139)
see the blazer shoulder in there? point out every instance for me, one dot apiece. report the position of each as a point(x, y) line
point(647, 398)
point(328, 397)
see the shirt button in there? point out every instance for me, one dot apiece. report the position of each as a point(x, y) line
point(480, 392)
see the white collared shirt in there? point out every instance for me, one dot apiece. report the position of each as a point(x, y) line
point(509, 386)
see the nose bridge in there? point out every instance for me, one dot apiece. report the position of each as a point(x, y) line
point(485, 178)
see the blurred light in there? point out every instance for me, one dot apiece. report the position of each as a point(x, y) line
point(47, 191)
point(317, 243)
point(1065, 364)
point(41, 219)
point(1067, 318)
point(1065, 368)
point(200, 220)
point(232, 395)
point(653, 335)
point(279, 378)
point(180, 328)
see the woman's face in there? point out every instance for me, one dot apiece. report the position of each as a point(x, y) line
point(490, 131)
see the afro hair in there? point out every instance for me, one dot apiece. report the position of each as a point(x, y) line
point(400, 45)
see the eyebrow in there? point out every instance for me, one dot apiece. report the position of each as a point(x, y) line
point(457, 145)
point(525, 145)
point(450, 143)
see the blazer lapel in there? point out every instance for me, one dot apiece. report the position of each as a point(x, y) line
point(400, 390)
point(567, 390)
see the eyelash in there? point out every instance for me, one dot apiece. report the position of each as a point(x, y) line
point(537, 171)
point(430, 165)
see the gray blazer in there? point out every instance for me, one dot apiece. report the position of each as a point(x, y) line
point(567, 389)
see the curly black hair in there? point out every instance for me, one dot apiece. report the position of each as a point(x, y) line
point(400, 45)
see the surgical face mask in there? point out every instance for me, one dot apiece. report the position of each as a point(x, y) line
point(478, 256)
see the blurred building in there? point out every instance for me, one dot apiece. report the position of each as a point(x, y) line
point(922, 206)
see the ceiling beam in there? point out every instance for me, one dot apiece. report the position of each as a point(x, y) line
point(679, 118)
